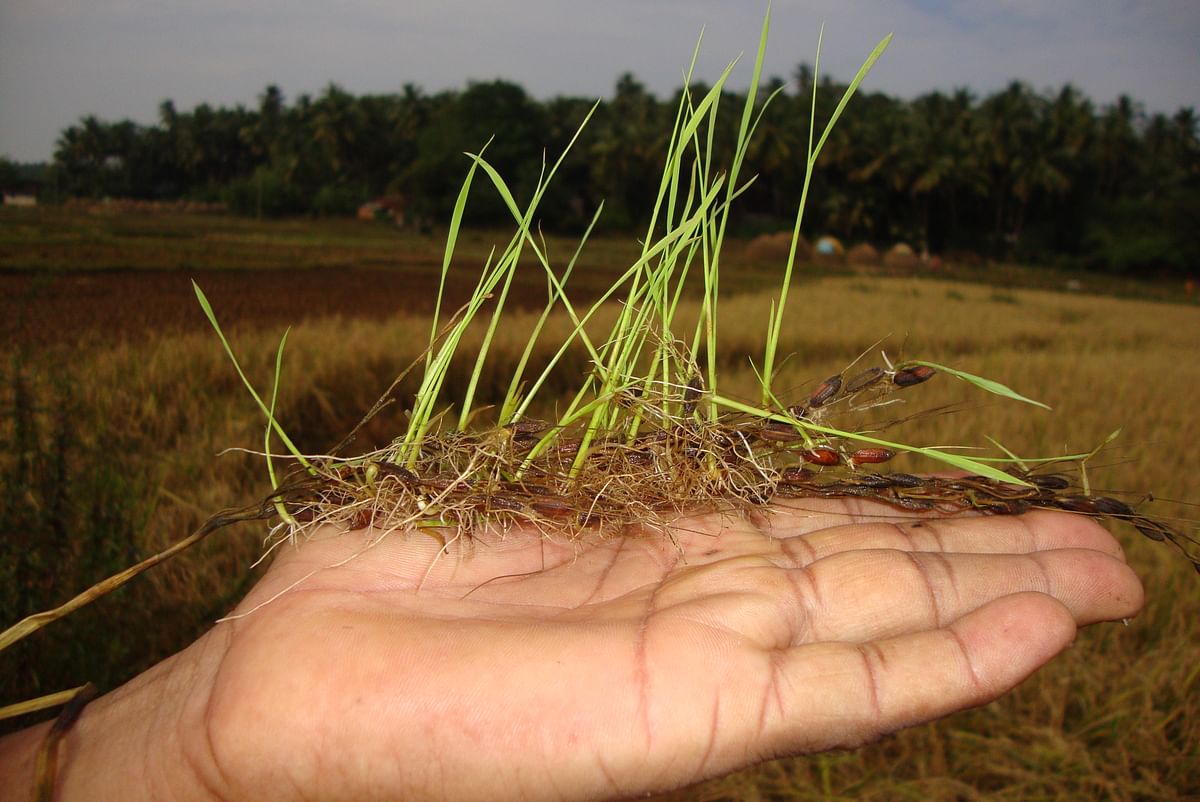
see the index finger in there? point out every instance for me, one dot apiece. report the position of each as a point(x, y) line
point(826, 531)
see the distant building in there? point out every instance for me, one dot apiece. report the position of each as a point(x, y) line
point(389, 207)
point(19, 199)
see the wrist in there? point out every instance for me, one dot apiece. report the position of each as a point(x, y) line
point(131, 744)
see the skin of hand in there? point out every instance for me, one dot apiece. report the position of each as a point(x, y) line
point(521, 666)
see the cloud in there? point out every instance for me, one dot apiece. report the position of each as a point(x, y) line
point(60, 59)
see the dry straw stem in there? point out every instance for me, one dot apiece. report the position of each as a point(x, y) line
point(40, 703)
point(46, 763)
point(31, 624)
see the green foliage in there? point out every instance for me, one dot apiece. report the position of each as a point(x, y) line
point(338, 200)
point(1136, 234)
point(497, 108)
point(266, 192)
point(9, 176)
point(988, 385)
point(1039, 177)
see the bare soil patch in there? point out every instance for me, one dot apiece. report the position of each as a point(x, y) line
point(41, 309)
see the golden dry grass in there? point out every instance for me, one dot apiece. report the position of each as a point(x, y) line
point(1116, 717)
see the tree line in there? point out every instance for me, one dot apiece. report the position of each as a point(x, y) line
point(1042, 177)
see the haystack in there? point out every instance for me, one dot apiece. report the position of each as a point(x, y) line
point(901, 256)
point(775, 248)
point(862, 254)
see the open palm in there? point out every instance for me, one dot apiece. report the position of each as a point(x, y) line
point(524, 667)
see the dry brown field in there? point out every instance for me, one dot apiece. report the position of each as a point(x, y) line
point(112, 449)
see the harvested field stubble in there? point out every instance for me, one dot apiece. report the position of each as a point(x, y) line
point(1115, 716)
point(40, 310)
point(67, 278)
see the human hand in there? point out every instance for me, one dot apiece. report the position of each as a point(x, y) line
point(525, 667)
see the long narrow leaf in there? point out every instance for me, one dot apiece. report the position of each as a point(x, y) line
point(212, 319)
point(850, 90)
point(456, 216)
point(279, 505)
point(994, 387)
point(956, 460)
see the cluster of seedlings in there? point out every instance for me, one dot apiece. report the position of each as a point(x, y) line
point(528, 473)
point(649, 435)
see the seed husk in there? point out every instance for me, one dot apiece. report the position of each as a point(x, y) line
point(1050, 481)
point(1152, 530)
point(909, 377)
point(1012, 506)
point(1112, 506)
point(871, 456)
point(552, 507)
point(402, 473)
point(873, 480)
point(495, 501)
point(821, 455)
point(794, 474)
point(1076, 503)
point(825, 392)
point(779, 432)
point(908, 503)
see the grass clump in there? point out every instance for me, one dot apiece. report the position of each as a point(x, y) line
point(649, 433)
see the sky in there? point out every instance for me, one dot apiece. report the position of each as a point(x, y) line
point(119, 59)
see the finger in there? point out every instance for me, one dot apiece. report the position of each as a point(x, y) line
point(859, 596)
point(843, 695)
point(994, 534)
